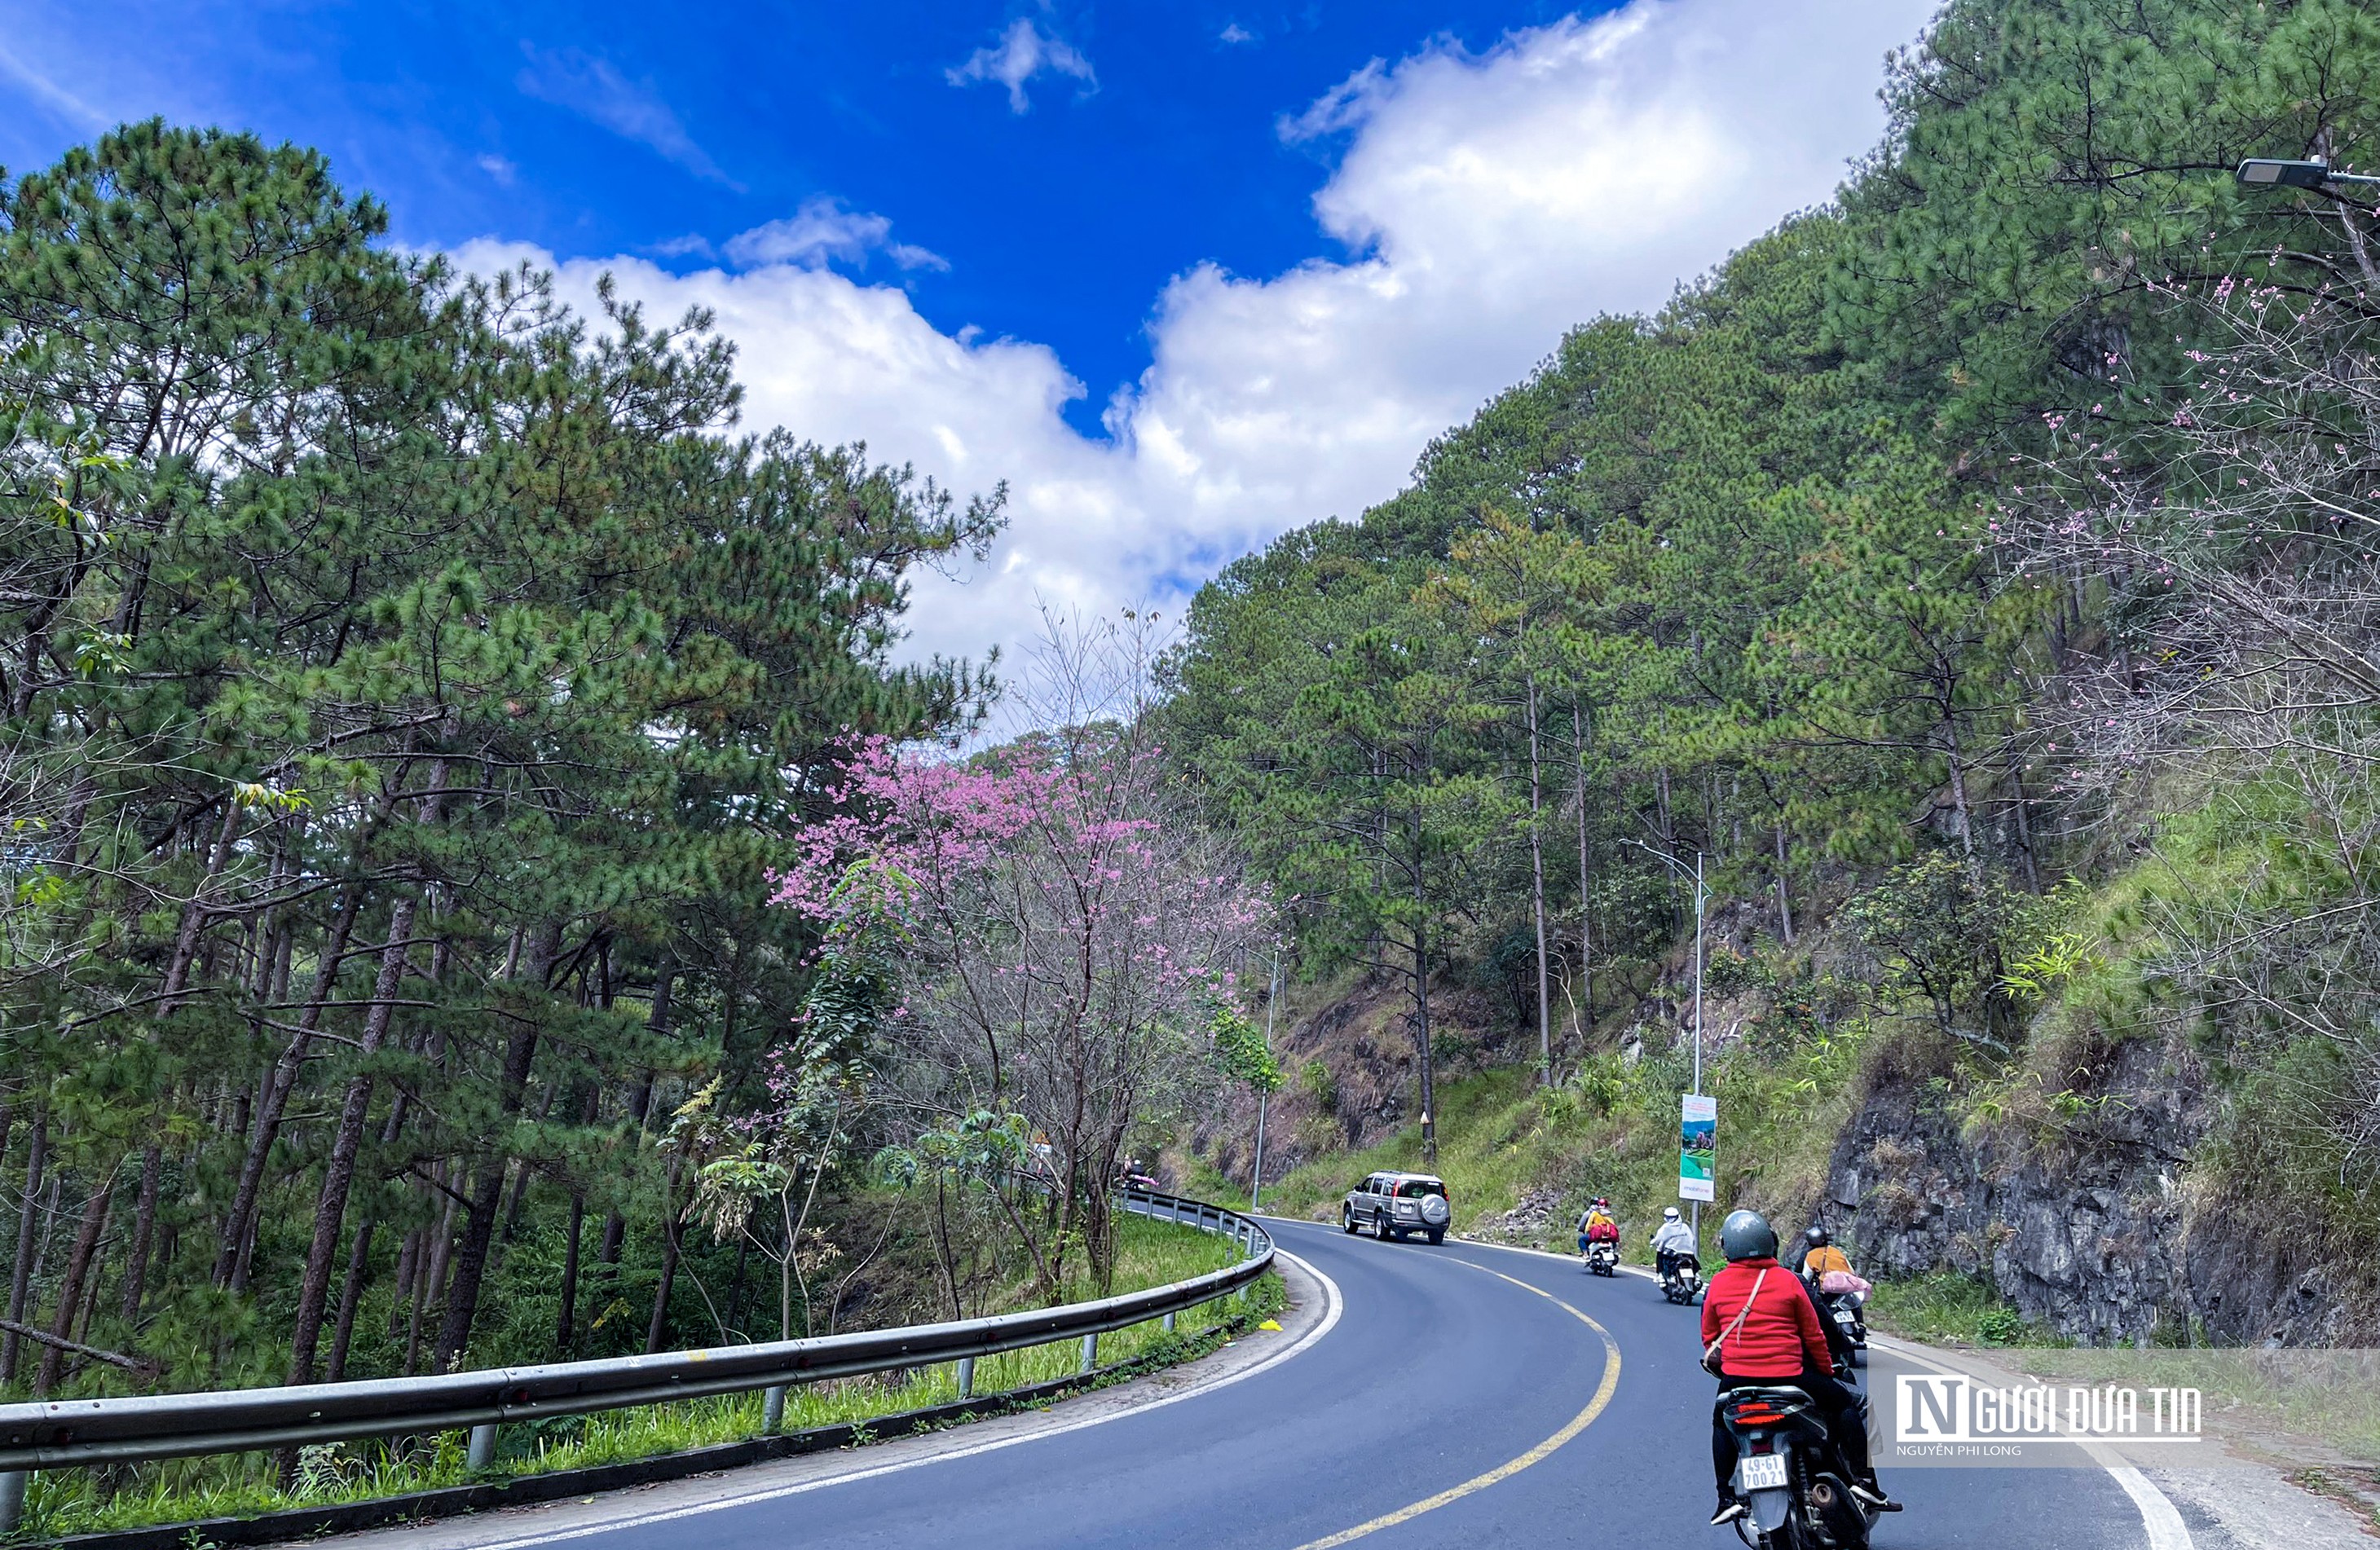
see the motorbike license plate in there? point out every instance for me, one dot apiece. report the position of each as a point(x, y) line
point(1764, 1471)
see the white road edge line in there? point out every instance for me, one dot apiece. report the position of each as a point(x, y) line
point(1333, 1305)
point(2160, 1519)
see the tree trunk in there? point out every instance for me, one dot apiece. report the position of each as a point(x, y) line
point(1537, 897)
point(1784, 902)
point(1959, 790)
point(433, 1276)
point(562, 1328)
point(584, 1112)
point(144, 1229)
point(280, 1082)
point(479, 1233)
point(194, 912)
point(1428, 1057)
point(658, 1324)
point(2024, 822)
point(20, 1275)
point(339, 1173)
point(640, 1108)
point(515, 1202)
point(424, 1277)
point(470, 1261)
point(86, 1245)
point(351, 1294)
point(408, 1270)
point(1585, 872)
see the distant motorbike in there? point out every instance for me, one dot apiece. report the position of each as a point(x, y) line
point(1602, 1257)
point(1787, 1471)
point(1683, 1282)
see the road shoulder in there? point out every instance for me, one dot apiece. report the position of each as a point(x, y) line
point(2246, 1502)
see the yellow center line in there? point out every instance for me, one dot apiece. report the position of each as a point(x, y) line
point(1571, 1428)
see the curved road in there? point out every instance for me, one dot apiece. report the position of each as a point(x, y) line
point(1449, 1366)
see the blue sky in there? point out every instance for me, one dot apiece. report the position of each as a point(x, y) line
point(602, 128)
point(1183, 275)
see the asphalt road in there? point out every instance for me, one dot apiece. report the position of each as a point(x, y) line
point(1455, 1403)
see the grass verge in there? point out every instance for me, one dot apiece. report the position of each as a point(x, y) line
point(84, 1501)
point(1949, 1309)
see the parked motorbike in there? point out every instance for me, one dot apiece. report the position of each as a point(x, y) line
point(1683, 1282)
point(1603, 1257)
point(1787, 1471)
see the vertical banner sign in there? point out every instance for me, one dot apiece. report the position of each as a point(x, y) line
point(1696, 1133)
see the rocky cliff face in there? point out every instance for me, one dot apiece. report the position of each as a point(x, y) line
point(2095, 1226)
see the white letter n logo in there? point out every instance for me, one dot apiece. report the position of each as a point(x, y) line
point(1930, 1409)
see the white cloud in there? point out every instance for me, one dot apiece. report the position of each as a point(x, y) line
point(1235, 33)
point(596, 91)
point(1023, 52)
point(496, 166)
point(61, 103)
point(1493, 200)
point(822, 231)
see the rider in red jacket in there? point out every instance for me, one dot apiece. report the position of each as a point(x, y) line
point(1779, 1337)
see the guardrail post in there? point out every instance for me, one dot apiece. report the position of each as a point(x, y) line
point(12, 1498)
point(483, 1447)
point(1090, 1350)
point(966, 1377)
point(1169, 1323)
point(772, 1409)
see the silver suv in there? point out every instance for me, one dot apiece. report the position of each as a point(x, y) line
point(1392, 1204)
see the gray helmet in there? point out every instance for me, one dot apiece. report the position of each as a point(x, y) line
point(1817, 1236)
point(1747, 1235)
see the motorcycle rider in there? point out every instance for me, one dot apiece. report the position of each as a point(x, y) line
point(1673, 1242)
point(1770, 1331)
point(1598, 1225)
point(1820, 1254)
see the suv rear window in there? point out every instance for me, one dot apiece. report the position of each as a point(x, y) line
point(1413, 1189)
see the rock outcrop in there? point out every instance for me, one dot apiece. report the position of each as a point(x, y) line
point(2092, 1222)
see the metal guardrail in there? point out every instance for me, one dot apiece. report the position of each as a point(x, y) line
point(53, 1433)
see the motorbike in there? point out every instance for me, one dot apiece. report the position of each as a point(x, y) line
point(1844, 1308)
point(1602, 1257)
point(1789, 1473)
point(1683, 1282)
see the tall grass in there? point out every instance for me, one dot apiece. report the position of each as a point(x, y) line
point(1149, 1253)
point(1950, 1309)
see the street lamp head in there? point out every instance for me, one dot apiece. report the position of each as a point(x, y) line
point(2266, 173)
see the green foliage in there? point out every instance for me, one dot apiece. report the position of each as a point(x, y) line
point(1944, 932)
point(1315, 1080)
point(2052, 161)
point(1946, 1308)
point(1241, 1049)
point(408, 694)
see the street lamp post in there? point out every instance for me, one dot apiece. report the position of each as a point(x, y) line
point(1702, 895)
point(2262, 172)
point(1264, 1095)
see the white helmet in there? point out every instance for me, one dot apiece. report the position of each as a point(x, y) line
point(1670, 1213)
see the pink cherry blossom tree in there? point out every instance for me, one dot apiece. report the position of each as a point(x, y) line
point(1069, 932)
